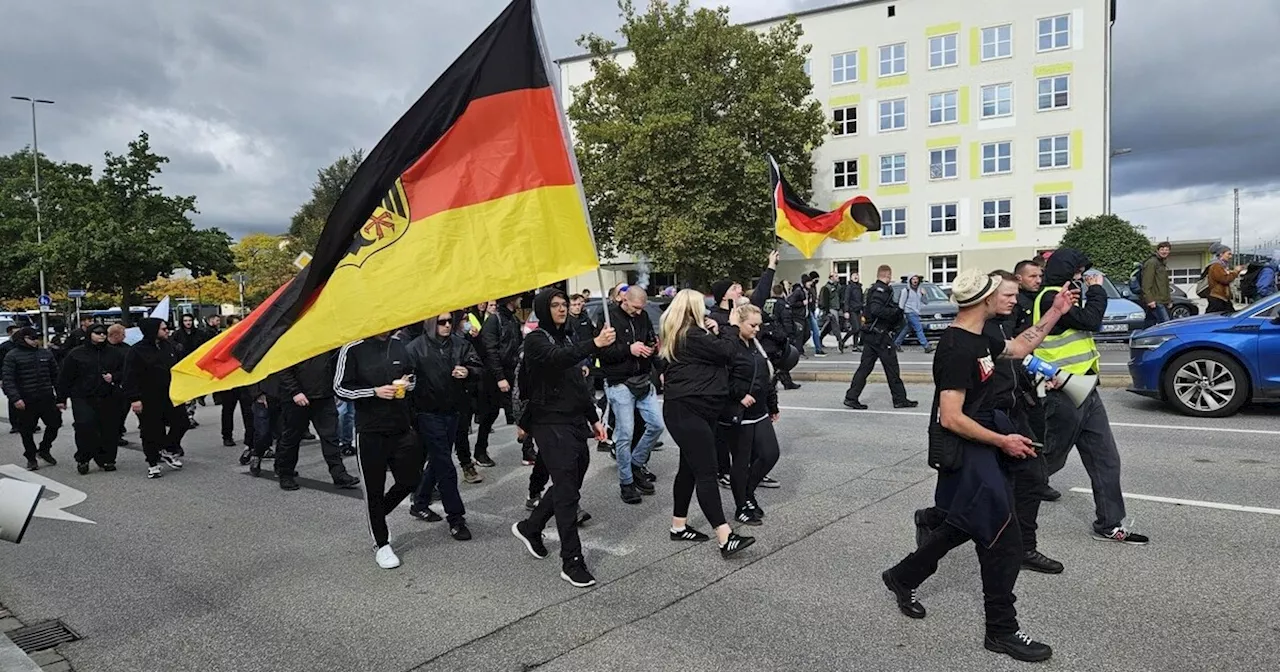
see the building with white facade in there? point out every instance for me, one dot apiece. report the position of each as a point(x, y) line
point(980, 129)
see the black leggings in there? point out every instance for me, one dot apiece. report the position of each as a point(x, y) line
point(693, 429)
point(755, 451)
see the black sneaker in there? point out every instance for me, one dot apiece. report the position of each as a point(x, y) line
point(269, 454)
point(483, 460)
point(748, 517)
point(122, 442)
point(820, 353)
point(724, 481)
point(532, 503)
point(643, 485)
point(244, 456)
point(575, 572)
point(460, 532)
point(767, 482)
point(735, 543)
point(1019, 646)
point(308, 436)
point(754, 506)
point(905, 403)
point(688, 534)
point(287, 483)
point(536, 548)
point(348, 451)
point(47, 457)
point(643, 471)
point(657, 445)
point(255, 466)
point(630, 495)
point(855, 405)
point(82, 468)
point(907, 602)
point(1048, 494)
point(1039, 562)
point(582, 518)
point(346, 481)
point(604, 446)
point(425, 513)
point(110, 466)
point(229, 443)
point(1120, 534)
point(792, 386)
point(32, 465)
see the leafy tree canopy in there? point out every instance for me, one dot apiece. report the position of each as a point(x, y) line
point(266, 261)
point(1111, 243)
point(309, 220)
point(672, 148)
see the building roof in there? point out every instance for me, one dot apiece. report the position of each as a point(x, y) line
point(750, 24)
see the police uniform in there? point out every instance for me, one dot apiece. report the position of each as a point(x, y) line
point(882, 316)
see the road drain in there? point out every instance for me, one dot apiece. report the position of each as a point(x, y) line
point(41, 636)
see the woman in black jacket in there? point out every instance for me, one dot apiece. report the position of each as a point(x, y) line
point(750, 413)
point(697, 385)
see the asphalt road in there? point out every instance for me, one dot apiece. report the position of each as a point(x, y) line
point(211, 569)
point(1115, 360)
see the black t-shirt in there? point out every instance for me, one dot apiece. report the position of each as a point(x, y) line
point(966, 361)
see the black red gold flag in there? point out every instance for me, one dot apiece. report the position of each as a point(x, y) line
point(806, 227)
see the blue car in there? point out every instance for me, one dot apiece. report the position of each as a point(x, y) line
point(1209, 366)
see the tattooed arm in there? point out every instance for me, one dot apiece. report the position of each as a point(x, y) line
point(1026, 343)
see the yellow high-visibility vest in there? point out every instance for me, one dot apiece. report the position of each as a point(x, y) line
point(1072, 351)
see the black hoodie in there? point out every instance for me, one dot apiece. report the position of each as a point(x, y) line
point(501, 334)
point(82, 369)
point(1058, 271)
point(312, 377)
point(557, 392)
point(146, 367)
point(433, 359)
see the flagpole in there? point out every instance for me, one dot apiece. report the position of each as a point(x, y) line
point(553, 77)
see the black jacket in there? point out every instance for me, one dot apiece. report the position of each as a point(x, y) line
point(146, 367)
point(853, 299)
point(799, 301)
point(188, 341)
point(75, 339)
point(749, 373)
point(777, 325)
point(616, 361)
point(312, 377)
point(1061, 269)
point(831, 297)
point(582, 326)
point(433, 359)
point(82, 369)
point(881, 312)
point(501, 334)
point(758, 298)
point(556, 391)
point(365, 365)
point(699, 372)
point(29, 373)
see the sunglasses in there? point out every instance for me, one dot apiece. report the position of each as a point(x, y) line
point(444, 322)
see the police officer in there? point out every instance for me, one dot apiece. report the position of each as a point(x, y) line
point(882, 316)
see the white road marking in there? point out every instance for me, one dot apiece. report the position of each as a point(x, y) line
point(50, 508)
point(1135, 425)
point(1191, 502)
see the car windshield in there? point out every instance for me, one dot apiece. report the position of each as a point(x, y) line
point(1112, 292)
point(933, 293)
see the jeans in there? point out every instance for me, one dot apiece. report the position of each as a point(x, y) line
point(346, 422)
point(913, 324)
point(625, 405)
point(437, 432)
point(817, 334)
point(1157, 315)
point(1088, 429)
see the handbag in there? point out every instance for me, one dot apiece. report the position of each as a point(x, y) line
point(946, 450)
point(640, 385)
point(1202, 285)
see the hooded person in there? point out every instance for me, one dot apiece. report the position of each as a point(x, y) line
point(1267, 275)
point(29, 376)
point(502, 333)
point(91, 376)
point(146, 386)
point(560, 416)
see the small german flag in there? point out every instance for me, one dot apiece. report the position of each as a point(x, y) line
point(806, 227)
point(471, 196)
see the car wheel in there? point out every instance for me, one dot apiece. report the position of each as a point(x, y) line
point(1179, 312)
point(1206, 384)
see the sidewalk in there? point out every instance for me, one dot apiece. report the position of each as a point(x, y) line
point(14, 659)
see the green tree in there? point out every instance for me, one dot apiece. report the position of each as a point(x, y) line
point(1111, 243)
point(134, 232)
point(68, 199)
point(672, 149)
point(266, 261)
point(309, 220)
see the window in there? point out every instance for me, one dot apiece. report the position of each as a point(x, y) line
point(846, 120)
point(943, 219)
point(997, 214)
point(942, 164)
point(1184, 276)
point(808, 68)
point(1055, 152)
point(844, 68)
point(944, 269)
point(942, 108)
point(893, 114)
point(893, 222)
point(893, 169)
point(942, 51)
point(1053, 33)
point(1053, 212)
point(997, 158)
point(997, 42)
point(997, 100)
point(893, 59)
point(846, 174)
point(1054, 93)
point(844, 268)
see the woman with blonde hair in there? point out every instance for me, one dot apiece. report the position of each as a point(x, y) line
point(697, 386)
point(749, 415)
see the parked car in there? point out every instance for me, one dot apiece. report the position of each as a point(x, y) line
point(1123, 317)
point(1183, 305)
point(1209, 366)
point(937, 311)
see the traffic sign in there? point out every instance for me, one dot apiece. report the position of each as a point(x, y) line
point(75, 293)
point(45, 301)
point(302, 260)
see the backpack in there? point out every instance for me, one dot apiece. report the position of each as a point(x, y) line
point(1202, 285)
point(1249, 283)
point(1135, 281)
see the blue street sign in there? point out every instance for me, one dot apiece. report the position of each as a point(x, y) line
point(46, 300)
point(75, 293)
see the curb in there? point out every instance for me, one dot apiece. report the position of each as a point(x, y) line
point(924, 378)
point(14, 659)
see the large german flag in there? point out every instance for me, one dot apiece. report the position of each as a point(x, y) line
point(806, 227)
point(472, 195)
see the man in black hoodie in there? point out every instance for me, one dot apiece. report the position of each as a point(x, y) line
point(502, 334)
point(375, 374)
point(560, 416)
point(29, 376)
point(853, 304)
point(1070, 346)
point(306, 397)
point(442, 362)
point(146, 384)
point(91, 376)
point(881, 318)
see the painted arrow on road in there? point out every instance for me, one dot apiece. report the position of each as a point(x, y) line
point(50, 508)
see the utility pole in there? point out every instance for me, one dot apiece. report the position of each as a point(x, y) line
point(1235, 238)
point(35, 159)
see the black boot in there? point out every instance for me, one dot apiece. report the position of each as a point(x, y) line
point(1019, 646)
point(1039, 562)
point(907, 602)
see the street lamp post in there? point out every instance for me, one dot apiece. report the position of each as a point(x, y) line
point(35, 159)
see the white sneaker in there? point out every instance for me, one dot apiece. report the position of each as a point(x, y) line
point(387, 558)
point(171, 459)
point(154, 472)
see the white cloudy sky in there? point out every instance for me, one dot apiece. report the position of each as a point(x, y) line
point(250, 97)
